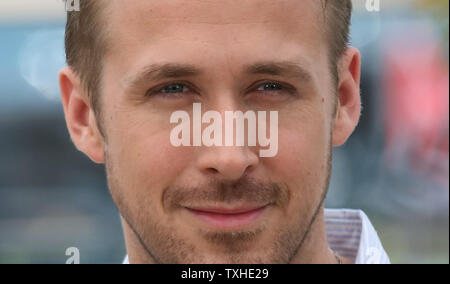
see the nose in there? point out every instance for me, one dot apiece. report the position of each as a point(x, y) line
point(227, 163)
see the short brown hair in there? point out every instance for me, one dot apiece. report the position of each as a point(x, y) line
point(85, 46)
point(85, 41)
point(338, 15)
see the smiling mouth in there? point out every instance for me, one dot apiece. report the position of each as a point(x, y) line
point(228, 219)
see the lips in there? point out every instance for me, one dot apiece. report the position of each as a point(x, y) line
point(228, 218)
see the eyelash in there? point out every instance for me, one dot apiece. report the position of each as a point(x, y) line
point(159, 91)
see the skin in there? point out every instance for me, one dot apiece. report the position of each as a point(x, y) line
point(151, 181)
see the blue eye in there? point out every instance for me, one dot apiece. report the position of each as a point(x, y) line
point(274, 90)
point(270, 86)
point(173, 89)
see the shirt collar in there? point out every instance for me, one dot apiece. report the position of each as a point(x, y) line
point(351, 234)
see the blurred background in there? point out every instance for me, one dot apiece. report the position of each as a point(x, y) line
point(395, 167)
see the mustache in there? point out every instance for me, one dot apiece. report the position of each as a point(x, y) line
point(244, 190)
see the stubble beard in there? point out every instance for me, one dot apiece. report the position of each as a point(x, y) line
point(162, 245)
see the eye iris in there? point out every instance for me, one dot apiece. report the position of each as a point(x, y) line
point(175, 88)
point(271, 87)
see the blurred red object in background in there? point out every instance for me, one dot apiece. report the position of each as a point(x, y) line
point(416, 105)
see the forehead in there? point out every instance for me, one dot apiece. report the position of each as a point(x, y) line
point(196, 31)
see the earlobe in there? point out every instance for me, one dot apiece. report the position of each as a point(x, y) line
point(349, 98)
point(80, 118)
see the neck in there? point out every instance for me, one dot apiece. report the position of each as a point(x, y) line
point(315, 245)
point(137, 253)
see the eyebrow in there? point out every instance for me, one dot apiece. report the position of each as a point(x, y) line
point(282, 68)
point(156, 72)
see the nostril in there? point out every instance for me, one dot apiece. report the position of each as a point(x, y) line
point(212, 170)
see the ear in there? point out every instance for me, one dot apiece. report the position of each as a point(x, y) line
point(80, 118)
point(348, 108)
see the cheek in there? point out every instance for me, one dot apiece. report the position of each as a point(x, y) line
point(303, 149)
point(302, 162)
point(143, 157)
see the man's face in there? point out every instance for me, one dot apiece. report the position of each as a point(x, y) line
point(156, 186)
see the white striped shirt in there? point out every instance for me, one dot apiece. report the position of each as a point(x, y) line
point(351, 234)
